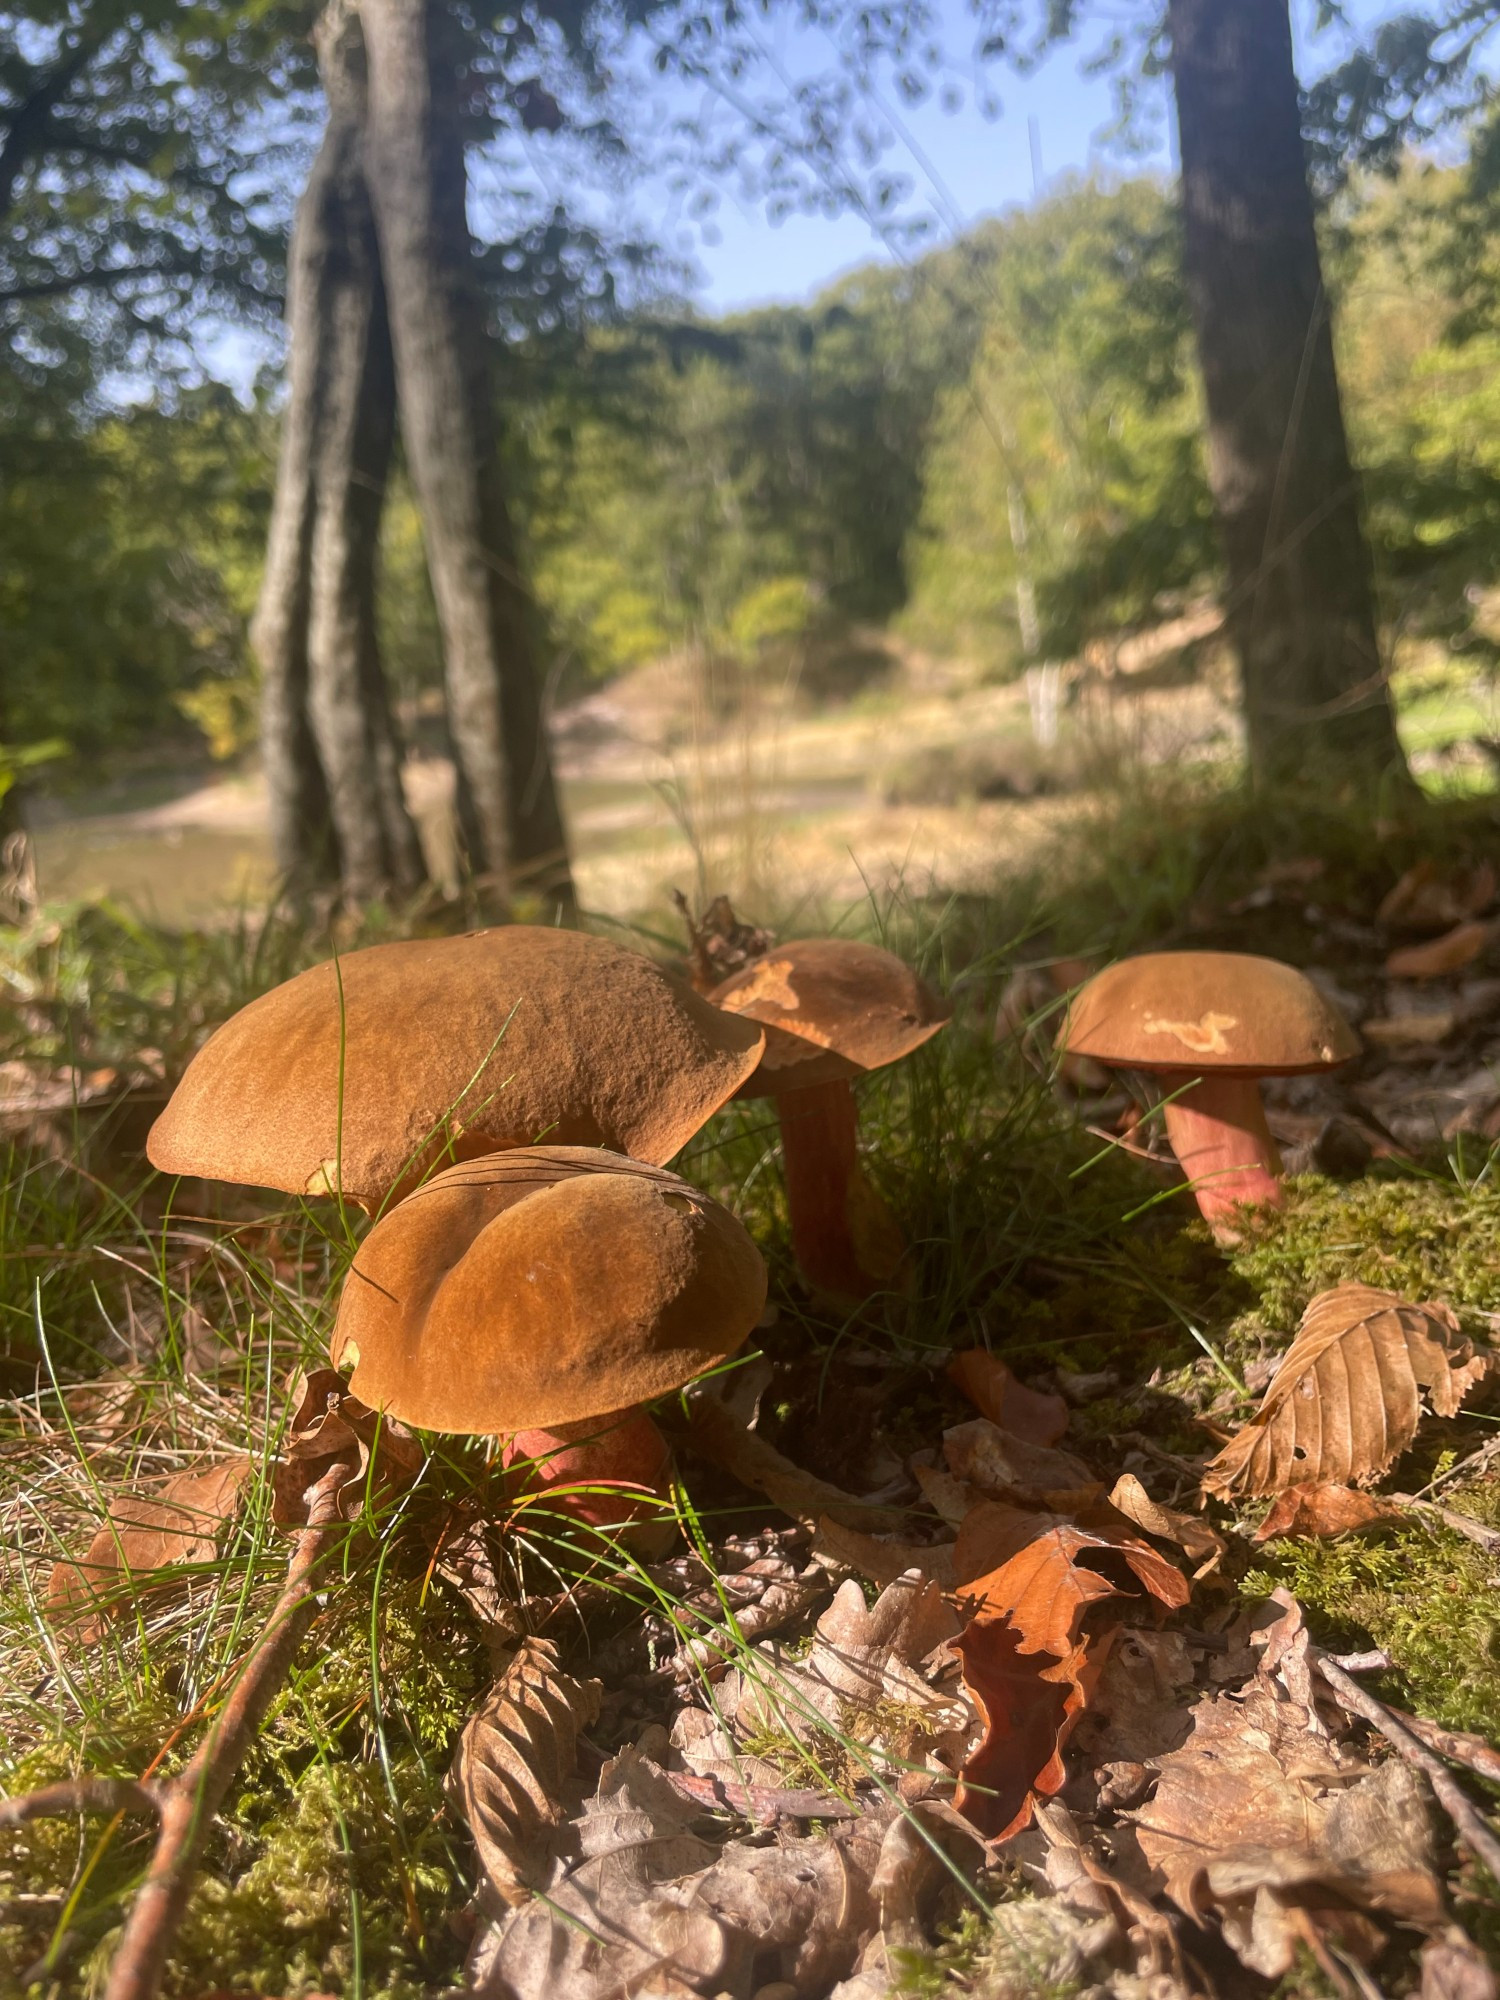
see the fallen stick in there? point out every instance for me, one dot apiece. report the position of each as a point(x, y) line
point(1470, 1824)
point(185, 1805)
point(1474, 1531)
point(720, 1438)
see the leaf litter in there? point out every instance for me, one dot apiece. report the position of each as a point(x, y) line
point(1010, 1672)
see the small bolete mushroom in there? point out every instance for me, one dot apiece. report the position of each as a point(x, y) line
point(357, 1076)
point(832, 1009)
point(1208, 1025)
point(543, 1295)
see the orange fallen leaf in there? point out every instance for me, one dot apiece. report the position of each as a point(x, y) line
point(1193, 1535)
point(1026, 1661)
point(997, 1394)
point(1324, 1509)
point(147, 1540)
point(1440, 956)
point(1426, 900)
point(1347, 1395)
point(1394, 1031)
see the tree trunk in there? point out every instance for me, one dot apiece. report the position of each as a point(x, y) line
point(332, 761)
point(1301, 594)
point(508, 806)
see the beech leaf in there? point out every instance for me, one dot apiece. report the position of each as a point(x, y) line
point(1040, 1570)
point(1441, 956)
point(146, 1534)
point(1346, 1399)
point(1325, 1510)
point(512, 1774)
point(332, 1428)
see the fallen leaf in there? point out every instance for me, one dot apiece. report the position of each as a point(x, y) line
point(1441, 956)
point(1426, 900)
point(1192, 1534)
point(148, 1540)
point(995, 1393)
point(1324, 1510)
point(1454, 1968)
point(331, 1428)
point(1256, 1818)
point(1002, 1464)
point(883, 1559)
point(513, 1771)
point(1409, 1030)
point(1026, 1661)
point(1346, 1398)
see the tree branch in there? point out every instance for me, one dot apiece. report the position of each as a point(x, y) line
point(29, 125)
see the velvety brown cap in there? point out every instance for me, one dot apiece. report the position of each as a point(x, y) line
point(1202, 1010)
point(830, 1007)
point(452, 1047)
point(544, 1286)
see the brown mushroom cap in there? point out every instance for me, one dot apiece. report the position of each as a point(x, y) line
point(830, 1007)
point(542, 1287)
point(460, 1046)
point(1195, 1011)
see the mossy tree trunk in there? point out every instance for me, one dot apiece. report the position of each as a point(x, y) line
point(1301, 596)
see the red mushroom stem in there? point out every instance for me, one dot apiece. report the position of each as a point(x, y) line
point(612, 1472)
point(824, 1187)
point(1218, 1131)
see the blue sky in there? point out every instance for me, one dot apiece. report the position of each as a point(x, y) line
point(982, 166)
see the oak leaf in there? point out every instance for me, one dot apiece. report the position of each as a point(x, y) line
point(1026, 1661)
point(512, 1774)
point(147, 1541)
point(1346, 1398)
point(997, 1394)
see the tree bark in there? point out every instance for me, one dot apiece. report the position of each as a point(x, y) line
point(507, 798)
point(1301, 594)
point(331, 755)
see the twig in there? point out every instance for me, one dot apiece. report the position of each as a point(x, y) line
point(1466, 1468)
point(1470, 1824)
point(190, 1800)
point(77, 1795)
point(717, 1436)
point(1474, 1531)
point(1457, 1745)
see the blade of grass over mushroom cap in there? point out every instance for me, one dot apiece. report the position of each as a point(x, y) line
point(361, 1076)
point(543, 1295)
point(832, 1009)
point(1209, 1025)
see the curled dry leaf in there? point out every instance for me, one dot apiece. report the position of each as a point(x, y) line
point(145, 1535)
point(1425, 899)
point(1026, 1659)
point(331, 1428)
point(1325, 1510)
point(1192, 1534)
point(881, 1558)
point(1346, 1399)
point(1256, 1819)
point(1443, 956)
point(1001, 1464)
point(997, 1394)
point(512, 1774)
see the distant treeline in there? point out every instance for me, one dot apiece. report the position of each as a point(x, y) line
point(1014, 418)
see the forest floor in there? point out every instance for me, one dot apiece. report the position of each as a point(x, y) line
point(732, 1769)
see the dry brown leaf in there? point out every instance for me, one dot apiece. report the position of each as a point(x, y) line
point(1396, 1031)
point(1346, 1398)
point(145, 1535)
point(995, 1393)
point(1425, 899)
point(1025, 1659)
point(330, 1428)
point(1001, 1464)
point(1192, 1534)
point(1441, 956)
point(1255, 1818)
point(512, 1775)
point(1454, 1968)
point(1324, 1510)
point(881, 1559)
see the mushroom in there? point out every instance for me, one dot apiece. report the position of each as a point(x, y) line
point(1208, 1025)
point(359, 1075)
point(832, 1009)
point(543, 1295)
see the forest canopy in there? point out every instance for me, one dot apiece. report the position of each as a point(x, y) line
point(722, 484)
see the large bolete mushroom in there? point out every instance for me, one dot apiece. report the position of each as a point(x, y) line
point(357, 1076)
point(543, 1295)
point(1208, 1025)
point(832, 1009)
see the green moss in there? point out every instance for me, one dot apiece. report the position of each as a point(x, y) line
point(1432, 1601)
point(1424, 1238)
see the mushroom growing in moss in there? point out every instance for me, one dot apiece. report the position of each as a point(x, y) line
point(543, 1295)
point(1208, 1025)
point(357, 1077)
point(832, 1009)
